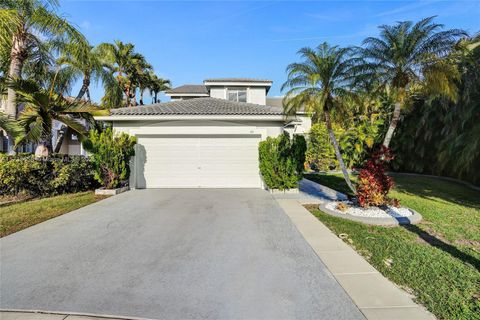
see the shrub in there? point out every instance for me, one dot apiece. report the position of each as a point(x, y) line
point(42, 177)
point(110, 156)
point(320, 155)
point(282, 161)
point(373, 184)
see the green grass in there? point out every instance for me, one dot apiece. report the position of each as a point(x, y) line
point(18, 216)
point(437, 260)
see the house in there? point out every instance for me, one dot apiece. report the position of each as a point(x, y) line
point(206, 136)
point(64, 140)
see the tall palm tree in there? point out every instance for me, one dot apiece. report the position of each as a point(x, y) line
point(24, 25)
point(317, 84)
point(41, 107)
point(158, 85)
point(124, 64)
point(406, 55)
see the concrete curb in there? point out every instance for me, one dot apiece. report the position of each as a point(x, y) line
point(375, 296)
point(390, 221)
point(17, 314)
point(111, 192)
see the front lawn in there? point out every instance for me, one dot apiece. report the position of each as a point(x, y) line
point(437, 260)
point(18, 216)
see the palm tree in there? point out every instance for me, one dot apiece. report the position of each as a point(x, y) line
point(158, 85)
point(41, 107)
point(124, 64)
point(24, 25)
point(407, 55)
point(80, 62)
point(9, 126)
point(317, 84)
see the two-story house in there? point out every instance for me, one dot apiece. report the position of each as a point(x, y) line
point(206, 136)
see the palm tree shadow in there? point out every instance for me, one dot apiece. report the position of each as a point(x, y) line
point(442, 245)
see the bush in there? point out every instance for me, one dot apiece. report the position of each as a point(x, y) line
point(282, 160)
point(373, 184)
point(320, 155)
point(110, 156)
point(44, 177)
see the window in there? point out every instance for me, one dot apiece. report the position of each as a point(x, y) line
point(239, 95)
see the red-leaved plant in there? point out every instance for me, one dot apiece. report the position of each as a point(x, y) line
point(373, 184)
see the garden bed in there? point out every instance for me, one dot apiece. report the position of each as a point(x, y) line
point(387, 215)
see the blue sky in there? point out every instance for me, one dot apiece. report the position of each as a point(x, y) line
point(188, 41)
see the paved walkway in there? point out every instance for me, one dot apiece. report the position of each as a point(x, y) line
point(172, 254)
point(311, 192)
point(376, 296)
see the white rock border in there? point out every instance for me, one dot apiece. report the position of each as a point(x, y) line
point(390, 219)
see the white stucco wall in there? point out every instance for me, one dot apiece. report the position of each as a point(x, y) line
point(257, 95)
point(218, 92)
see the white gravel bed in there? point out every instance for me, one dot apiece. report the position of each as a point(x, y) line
point(372, 212)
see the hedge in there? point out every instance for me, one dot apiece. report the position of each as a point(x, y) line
point(282, 161)
point(54, 175)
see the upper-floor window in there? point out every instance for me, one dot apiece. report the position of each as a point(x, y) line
point(239, 95)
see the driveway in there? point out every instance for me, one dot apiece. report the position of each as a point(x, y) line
point(172, 254)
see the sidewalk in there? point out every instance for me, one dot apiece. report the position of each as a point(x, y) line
point(376, 297)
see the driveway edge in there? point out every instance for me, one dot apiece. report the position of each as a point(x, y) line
point(376, 297)
point(18, 314)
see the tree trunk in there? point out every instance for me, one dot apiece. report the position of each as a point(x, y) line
point(84, 88)
point(141, 97)
point(393, 125)
point(18, 55)
point(127, 95)
point(88, 95)
point(156, 96)
point(337, 152)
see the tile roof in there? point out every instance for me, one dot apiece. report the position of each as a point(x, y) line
point(236, 80)
point(189, 88)
point(199, 106)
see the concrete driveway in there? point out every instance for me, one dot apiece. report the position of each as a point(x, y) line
point(172, 254)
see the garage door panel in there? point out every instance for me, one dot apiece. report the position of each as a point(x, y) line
point(209, 162)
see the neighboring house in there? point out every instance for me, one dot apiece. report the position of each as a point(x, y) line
point(207, 136)
point(66, 140)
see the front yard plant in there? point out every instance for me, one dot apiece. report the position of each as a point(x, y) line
point(373, 184)
point(110, 156)
point(282, 160)
point(39, 177)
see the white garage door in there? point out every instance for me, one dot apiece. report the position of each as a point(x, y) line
point(199, 162)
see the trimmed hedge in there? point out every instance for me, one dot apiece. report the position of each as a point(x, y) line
point(54, 175)
point(282, 161)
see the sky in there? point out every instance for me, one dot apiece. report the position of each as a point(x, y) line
point(189, 41)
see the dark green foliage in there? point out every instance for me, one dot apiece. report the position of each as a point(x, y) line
point(443, 138)
point(299, 147)
point(282, 160)
point(110, 157)
point(42, 177)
